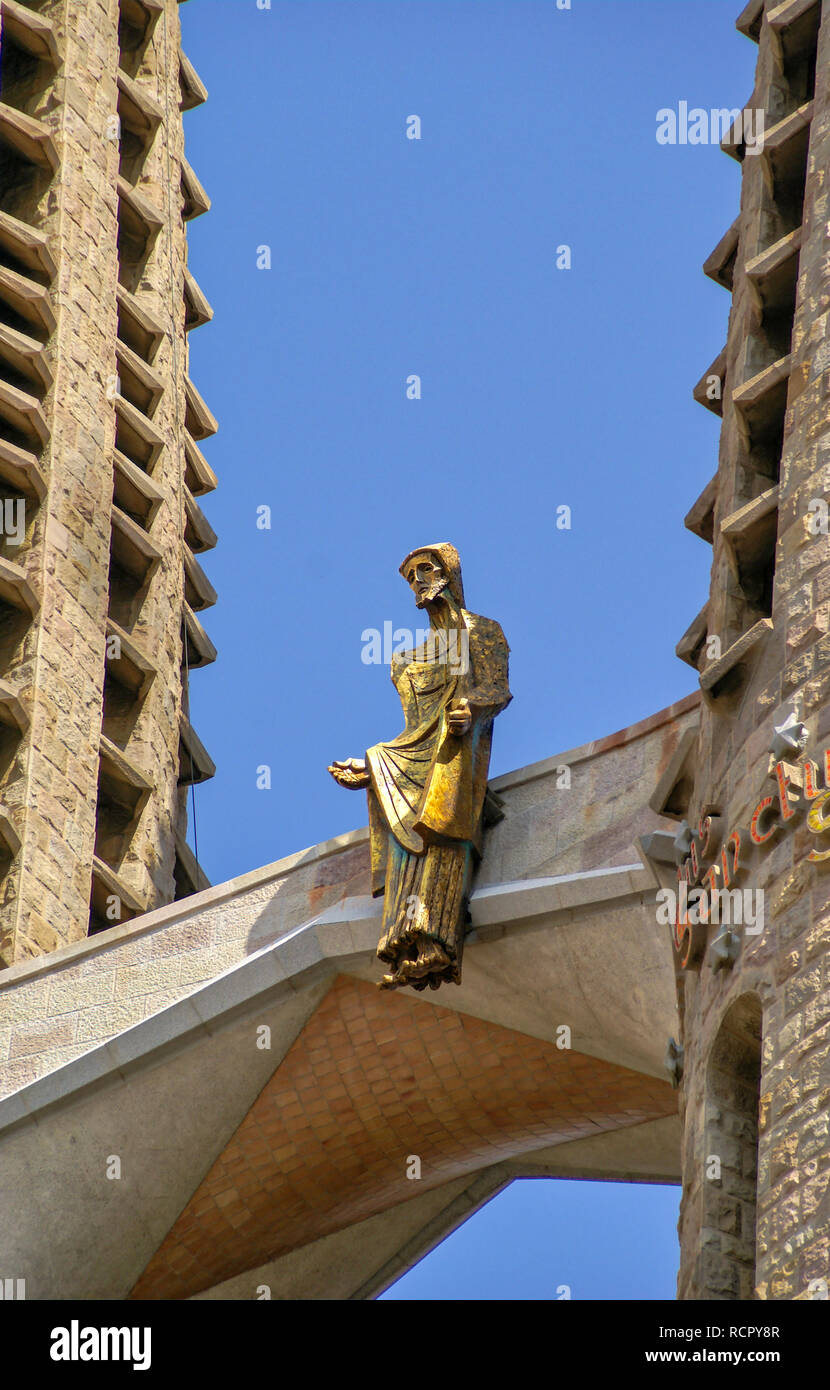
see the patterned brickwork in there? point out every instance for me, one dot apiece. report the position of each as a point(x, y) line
point(786, 968)
point(61, 677)
point(109, 516)
point(150, 735)
point(372, 1082)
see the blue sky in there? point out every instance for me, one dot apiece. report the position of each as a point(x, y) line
point(556, 1240)
point(540, 388)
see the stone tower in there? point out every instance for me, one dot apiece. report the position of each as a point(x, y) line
point(749, 786)
point(100, 467)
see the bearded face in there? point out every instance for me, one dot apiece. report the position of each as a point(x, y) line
point(426, 579)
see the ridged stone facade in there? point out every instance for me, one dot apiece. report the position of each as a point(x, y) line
point(750, 786)
point(99, 467)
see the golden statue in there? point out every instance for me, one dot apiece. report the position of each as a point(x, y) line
point(427, 787)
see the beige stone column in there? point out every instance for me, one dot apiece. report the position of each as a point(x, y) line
point(96, 750)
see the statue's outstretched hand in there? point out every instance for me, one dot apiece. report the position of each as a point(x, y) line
point(352, 773)
point(459, 717)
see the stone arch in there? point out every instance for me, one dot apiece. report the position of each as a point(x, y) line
point(733, 1078)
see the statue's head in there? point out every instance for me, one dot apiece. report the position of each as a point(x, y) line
point(430, 570)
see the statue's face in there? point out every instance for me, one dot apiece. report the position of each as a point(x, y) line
point(425, 578)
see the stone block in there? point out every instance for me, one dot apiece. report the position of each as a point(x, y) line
point(103, 1021)
point(71, 992)
point(132, 981)
point(31, 1038)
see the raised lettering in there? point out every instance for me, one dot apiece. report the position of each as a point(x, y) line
point(756, 835)
point(811, 788)
point(817, 824)
point(730, 873)
point(784, 779)
point(707, 832)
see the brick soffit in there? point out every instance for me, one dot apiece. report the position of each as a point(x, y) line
point(370, 1082)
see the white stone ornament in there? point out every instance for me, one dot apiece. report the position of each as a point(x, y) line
point(789, 737)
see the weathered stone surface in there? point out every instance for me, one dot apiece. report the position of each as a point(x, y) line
point(50, 790)
point(780, 977)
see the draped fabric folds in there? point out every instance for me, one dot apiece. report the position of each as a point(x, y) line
point(427, 792)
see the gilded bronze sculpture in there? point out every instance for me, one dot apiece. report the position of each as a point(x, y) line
point(427, 787)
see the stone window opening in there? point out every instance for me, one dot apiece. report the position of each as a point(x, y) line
point(733, 1076)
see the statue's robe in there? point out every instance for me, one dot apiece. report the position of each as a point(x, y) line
point(428, 785)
